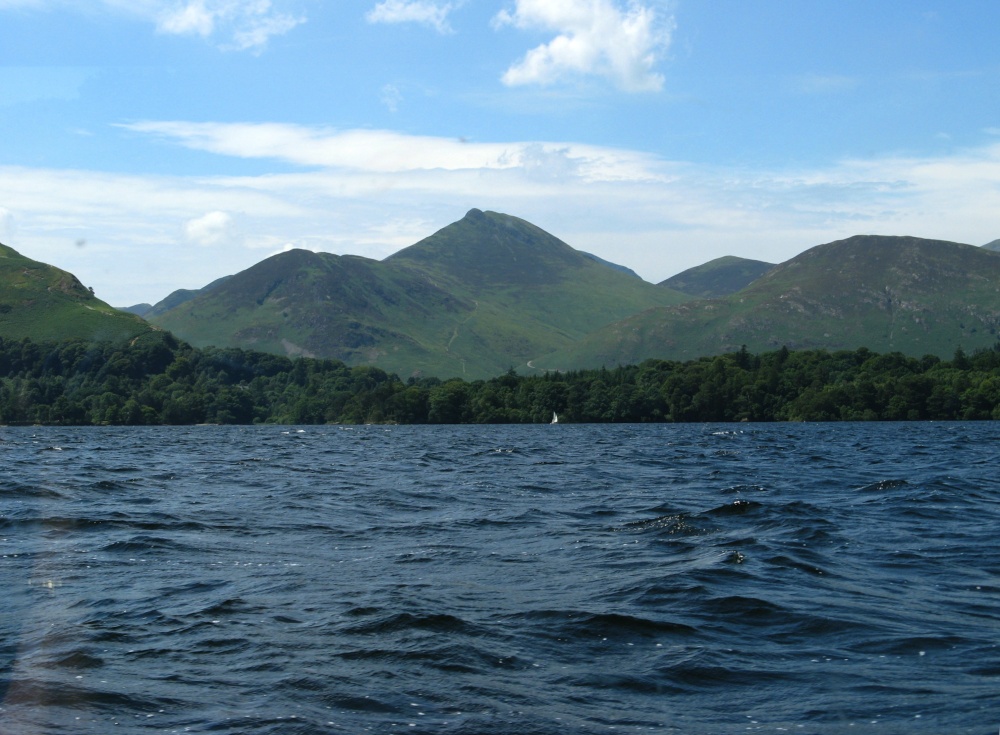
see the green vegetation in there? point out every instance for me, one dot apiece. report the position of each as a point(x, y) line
point(154, 379)
point(481, 294)
point(719, 277)
point(488, 292)
point(43, 302)
point(173, 300)
point(889, 294)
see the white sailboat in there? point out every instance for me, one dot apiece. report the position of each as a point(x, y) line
point(555, 418)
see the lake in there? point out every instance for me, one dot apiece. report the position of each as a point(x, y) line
point(813, 578)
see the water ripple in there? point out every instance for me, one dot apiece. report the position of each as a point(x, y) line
point(672, 579)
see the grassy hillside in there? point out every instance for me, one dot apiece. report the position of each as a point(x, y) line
point(609, 264)
point(45, 303)
point(474, 299)
point(884, 293)
point(517, 271)
point(719, 277)
point(318, 305)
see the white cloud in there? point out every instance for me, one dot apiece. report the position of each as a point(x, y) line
point(233, 24)
point(213, 228)
point(255, 34)
point(594, 37)
point(146, 234)
point(249, 24)
point(549, 162)
point(426, 12)
point(384, 151)
point(192, 18)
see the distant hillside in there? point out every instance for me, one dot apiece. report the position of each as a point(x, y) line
point(317, 305)
point(172, 300)
point(994, 246)
point(137, 309)
point(45, 303)
point(474, 299)
point(719, 277)
point(609, 264)
point(885, 293)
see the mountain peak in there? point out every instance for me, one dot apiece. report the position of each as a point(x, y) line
point(493, 247)
point(875, 260)
point(484, 293)
point(886, 293)
point(719, 277)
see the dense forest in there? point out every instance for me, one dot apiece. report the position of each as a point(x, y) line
point(156, 379)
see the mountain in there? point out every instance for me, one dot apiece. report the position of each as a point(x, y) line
point(44, 303)
point(886, 293)
point(137, 309)
point(172, 300)
point(609, 264)
point(719, 277)
point(316, 305)
point(994, 246)
point(478, 297)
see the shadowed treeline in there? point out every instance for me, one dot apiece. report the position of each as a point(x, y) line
point(158, 380)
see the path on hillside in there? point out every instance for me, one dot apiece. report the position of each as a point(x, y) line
point(454, 334)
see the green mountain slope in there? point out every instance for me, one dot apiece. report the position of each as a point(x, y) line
point(526, 280)
point(318, 305)
point(481, 295)
point(885, 293)
point(719, 277)
point(172, 300)
point(45, 303)
point(137, 309)
point(609, 264)
point(993, 246)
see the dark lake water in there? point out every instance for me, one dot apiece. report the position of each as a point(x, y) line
point(795, 578)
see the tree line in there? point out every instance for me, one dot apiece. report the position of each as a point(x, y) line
point(157, 380)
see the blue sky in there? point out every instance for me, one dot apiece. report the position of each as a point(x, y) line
point(149, 145)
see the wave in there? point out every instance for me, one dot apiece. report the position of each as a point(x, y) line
point(645, 578)
point(143, 543)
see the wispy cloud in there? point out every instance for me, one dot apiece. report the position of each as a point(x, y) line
point(244, 24)
point(425, 12)
point(387, 152)
point(148, 234)
point(391, 97)
point(593, 37)
point(232, 24)
point(190, 19)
